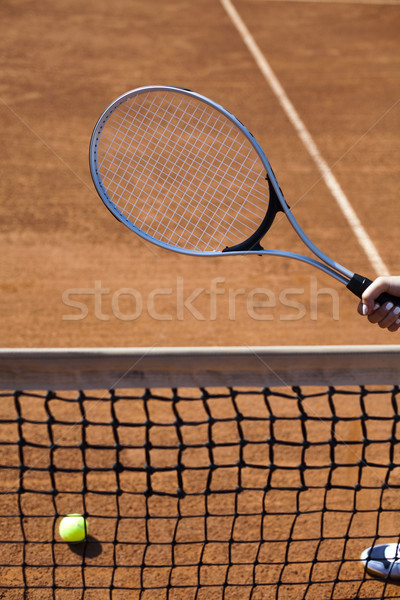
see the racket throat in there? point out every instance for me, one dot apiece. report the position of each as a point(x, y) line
point(253, 242)
point(244, 247)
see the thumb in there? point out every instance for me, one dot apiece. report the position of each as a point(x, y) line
point(370, 294)
point(361, 308)
point(366, 307)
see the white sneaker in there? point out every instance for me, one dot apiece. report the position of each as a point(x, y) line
point(383, 560)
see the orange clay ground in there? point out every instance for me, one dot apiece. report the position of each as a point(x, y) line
point(71, 275)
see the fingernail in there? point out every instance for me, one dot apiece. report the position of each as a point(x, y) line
point(389, 306)
point(364, 309)
point(396, 311)
point(376, 306)
point(397, 322)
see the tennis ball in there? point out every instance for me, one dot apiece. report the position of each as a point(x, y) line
point(73, 528)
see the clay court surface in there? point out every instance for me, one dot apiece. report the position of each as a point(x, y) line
point(72, 276)
point(63, 63)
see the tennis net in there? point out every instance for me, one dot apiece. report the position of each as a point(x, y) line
point(204, 473)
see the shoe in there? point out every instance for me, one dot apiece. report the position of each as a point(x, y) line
point(383, 560)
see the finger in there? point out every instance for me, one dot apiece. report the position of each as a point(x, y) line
point(385, 316)
point(369, 309)
point(390, 318)
point(380, 312)
point(395, 326)
point(376, 314)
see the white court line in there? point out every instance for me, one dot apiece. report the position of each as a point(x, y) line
point(330, 180)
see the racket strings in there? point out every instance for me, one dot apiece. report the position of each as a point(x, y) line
point(125, 161)
point(204, 199)
point(127, 164)
point(201, 164)
point(200, 171)
point(196, 164)
point(181, 171)
point(165, 226)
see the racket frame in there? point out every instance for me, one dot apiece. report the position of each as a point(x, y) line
point(252, 244)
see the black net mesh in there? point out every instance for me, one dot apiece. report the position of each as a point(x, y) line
point(199, 494)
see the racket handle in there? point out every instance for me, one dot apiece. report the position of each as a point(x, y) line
point(358, 284)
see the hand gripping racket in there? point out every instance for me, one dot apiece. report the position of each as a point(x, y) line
point(182, 172)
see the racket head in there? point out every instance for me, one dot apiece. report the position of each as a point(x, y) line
point(182, 172)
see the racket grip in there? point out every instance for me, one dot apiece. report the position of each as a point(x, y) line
point(358, 284)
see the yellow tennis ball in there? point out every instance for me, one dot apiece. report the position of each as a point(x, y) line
point(73, 528)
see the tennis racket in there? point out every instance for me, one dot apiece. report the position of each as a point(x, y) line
point(184, 173)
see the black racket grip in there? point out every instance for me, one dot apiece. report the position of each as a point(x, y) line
point(358, 284)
